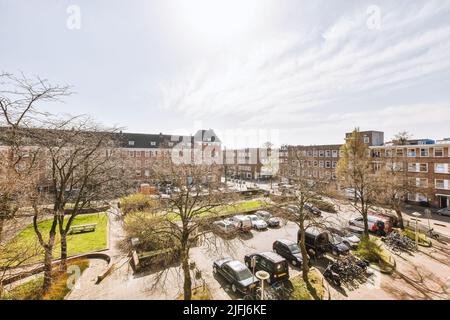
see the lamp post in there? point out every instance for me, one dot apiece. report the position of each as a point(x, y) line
point(262, 275)
point(417, 215)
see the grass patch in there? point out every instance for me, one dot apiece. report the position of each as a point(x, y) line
point(32, 290)
point(372, 250)
point(76, 243)
point(301, 291)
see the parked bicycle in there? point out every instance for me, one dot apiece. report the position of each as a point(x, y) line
point(346, 270)
point(398, 242)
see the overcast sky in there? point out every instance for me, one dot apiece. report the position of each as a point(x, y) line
point(301, 72)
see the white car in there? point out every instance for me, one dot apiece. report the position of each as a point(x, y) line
point(224, 226)
point(257, 222)
point(267, 217)
point(444, 212)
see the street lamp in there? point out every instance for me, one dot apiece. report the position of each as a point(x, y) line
point(262, 275)
point(417, 215)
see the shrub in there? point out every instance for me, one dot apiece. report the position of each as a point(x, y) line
point(136, 202)
point(323, 205)
point(370, 250)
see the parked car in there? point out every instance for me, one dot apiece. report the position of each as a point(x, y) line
point(257, 222)
point(224, 226)
point(237, 274)
point(376, 225)
point(444, 212)
point(316, 240)
point(289, 250)
point(242, 223)
point(267, 217)
point(337, 245)
point(349, 239)
point(274, 264)
point(312, 209)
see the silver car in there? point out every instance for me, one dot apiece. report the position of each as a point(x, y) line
point(444, 212)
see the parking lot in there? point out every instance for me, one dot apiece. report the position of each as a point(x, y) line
point(424, 275)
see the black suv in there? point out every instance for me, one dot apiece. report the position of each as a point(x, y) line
point(272, 263)
point(289, 250)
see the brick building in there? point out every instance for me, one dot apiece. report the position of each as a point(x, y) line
point(426, 163)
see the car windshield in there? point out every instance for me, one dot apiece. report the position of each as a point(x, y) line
point(294, 248)
point(335, 239)
point(243, 274)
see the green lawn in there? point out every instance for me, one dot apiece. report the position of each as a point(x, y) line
point(32, 290)
point(76, 243)
point(301, 291)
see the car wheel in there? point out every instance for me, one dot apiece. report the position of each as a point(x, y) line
point(233, 288)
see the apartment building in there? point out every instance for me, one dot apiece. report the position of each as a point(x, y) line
point(141, 151)
point(426, 163)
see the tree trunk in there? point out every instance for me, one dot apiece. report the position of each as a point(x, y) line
point(305, 263)
point(63, 263)
point(2, 221)
point(365, 220)
point(47, 269)
point(400, 218)
point(187, 287)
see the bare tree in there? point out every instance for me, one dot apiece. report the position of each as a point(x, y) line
point(83, 166)
point(355, 170)
point(402, 137)
point(188, 211)
point(20, 98)
point(307, 187)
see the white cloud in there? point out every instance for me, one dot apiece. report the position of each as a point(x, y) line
point(286, 79)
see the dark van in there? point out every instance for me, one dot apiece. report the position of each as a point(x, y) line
point(317, 241)
point(274, 264)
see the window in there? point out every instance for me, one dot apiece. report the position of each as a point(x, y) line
point(316, 163)
point(131, 143)
point(424, 152)
point(315, 153)
point(418, 167)
point(147, 173)
point(366, 140)
point(328, 153)
point(321, 164)
point(399, 152)
point(411, 152)
point(153, 143)
point(309, 153)
point(334, 153)
point(147, 154)
point(439, 152)
point(442, 168)
point(419, 182)
point(334, 164)
point(442, 184)
point(321, 153)
point(327, 164)
point(377, 166)
point(138, 173)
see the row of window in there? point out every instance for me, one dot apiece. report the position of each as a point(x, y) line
point(442, 184)
point(314, 173)
point(412, 152)
point(321, 153)
point(442, 168)
point(317, 163)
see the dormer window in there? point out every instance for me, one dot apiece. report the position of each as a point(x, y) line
point(131, 143)
point(153, 143)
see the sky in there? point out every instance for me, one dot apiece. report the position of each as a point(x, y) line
point(288, 71)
